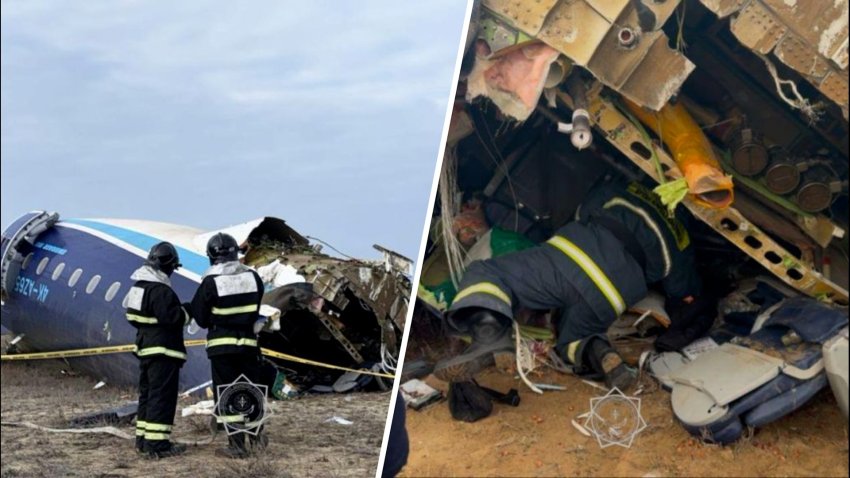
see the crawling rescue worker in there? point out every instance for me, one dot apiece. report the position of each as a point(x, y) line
point(227, 303)
point(155, 310)
point(592, 269)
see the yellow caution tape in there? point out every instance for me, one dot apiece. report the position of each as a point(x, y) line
point(292, 358)
point(59, 354)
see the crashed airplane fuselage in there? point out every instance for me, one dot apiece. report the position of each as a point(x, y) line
point(64, 282)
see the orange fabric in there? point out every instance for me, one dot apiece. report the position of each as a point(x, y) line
point(692, 152)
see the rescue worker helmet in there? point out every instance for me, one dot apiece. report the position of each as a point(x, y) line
point(222, 248)
point(163, 257)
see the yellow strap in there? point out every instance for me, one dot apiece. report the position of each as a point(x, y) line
point(142, 319)
point(292, 358)
point(114, 349)
point(484, 288)
point(572, 347)
point(156, 436)
point(231, 341)
point(234, 310)
point(140, 432)
point(140, 423)
point(160, 351)
point(158, 427)
point(592, 270)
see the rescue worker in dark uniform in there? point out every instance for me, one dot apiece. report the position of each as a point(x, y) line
point(227, 304)
point(592, 269)
point(155, 310)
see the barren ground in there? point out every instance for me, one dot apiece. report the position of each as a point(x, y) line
point(301, 442)
point(537, 439)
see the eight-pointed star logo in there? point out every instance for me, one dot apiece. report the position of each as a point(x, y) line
point(242, 406)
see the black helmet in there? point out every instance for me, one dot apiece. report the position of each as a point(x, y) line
point(222, 248)
point(163, 257)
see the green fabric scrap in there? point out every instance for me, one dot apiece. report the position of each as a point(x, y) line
point(428, 296)
point(503, 241)
point(789, 262)
point(672, 193)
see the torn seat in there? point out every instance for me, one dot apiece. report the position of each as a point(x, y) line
point(754, 380)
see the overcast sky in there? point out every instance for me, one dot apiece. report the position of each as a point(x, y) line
point(326, 114)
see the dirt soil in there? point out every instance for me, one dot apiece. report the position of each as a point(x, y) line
point(537, 439)
point(302, 443)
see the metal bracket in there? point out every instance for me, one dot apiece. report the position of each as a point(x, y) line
point(729, 223)
point(340, 337)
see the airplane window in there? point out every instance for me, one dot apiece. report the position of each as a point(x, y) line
point(27, 261)
point(58, 271)
point(42, 265)
point(93, 282)
point(112, 291)
point(72, 281)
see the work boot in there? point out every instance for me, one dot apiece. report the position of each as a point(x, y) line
point(258, 442)
point(491, 335)
point(607, 361)
point(235, 447)
point(166, 451)
point(141, 445)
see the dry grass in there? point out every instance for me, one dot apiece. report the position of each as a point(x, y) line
point(302, 443)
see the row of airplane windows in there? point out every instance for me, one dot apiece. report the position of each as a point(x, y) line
point(111, 292)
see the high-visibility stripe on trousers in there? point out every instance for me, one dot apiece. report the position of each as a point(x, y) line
point(155, 431)
point(484, 288)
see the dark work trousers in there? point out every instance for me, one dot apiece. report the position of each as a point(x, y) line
point(159, 378)
point(546, 277)
point(226, 368)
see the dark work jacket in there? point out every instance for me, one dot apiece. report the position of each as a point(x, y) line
point(155, 310)
point(227, 304)
point(663, 237)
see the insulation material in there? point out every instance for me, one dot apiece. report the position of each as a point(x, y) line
point(514, 81)
point(692, 152)
point(279, 275)
point(590, 33)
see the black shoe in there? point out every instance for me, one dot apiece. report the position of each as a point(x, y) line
point(172, 449)
point(618, 373)
point(604, 362)
point(141, 445)
point(491, 335)
point(235, 447)
point(258, 442)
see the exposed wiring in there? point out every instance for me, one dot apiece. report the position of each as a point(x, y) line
point(798, 102)
point(332, 247)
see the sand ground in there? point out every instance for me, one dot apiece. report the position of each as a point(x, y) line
point(537, 439)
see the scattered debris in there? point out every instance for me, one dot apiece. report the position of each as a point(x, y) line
point(340, 420)
point(98, 385)
point(120, 415)
point(418, 394)
point(580, 428)
point(204, 407)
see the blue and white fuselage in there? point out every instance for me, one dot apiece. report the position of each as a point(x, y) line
point(73, 279)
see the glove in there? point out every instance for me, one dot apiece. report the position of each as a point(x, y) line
point(259, 324)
